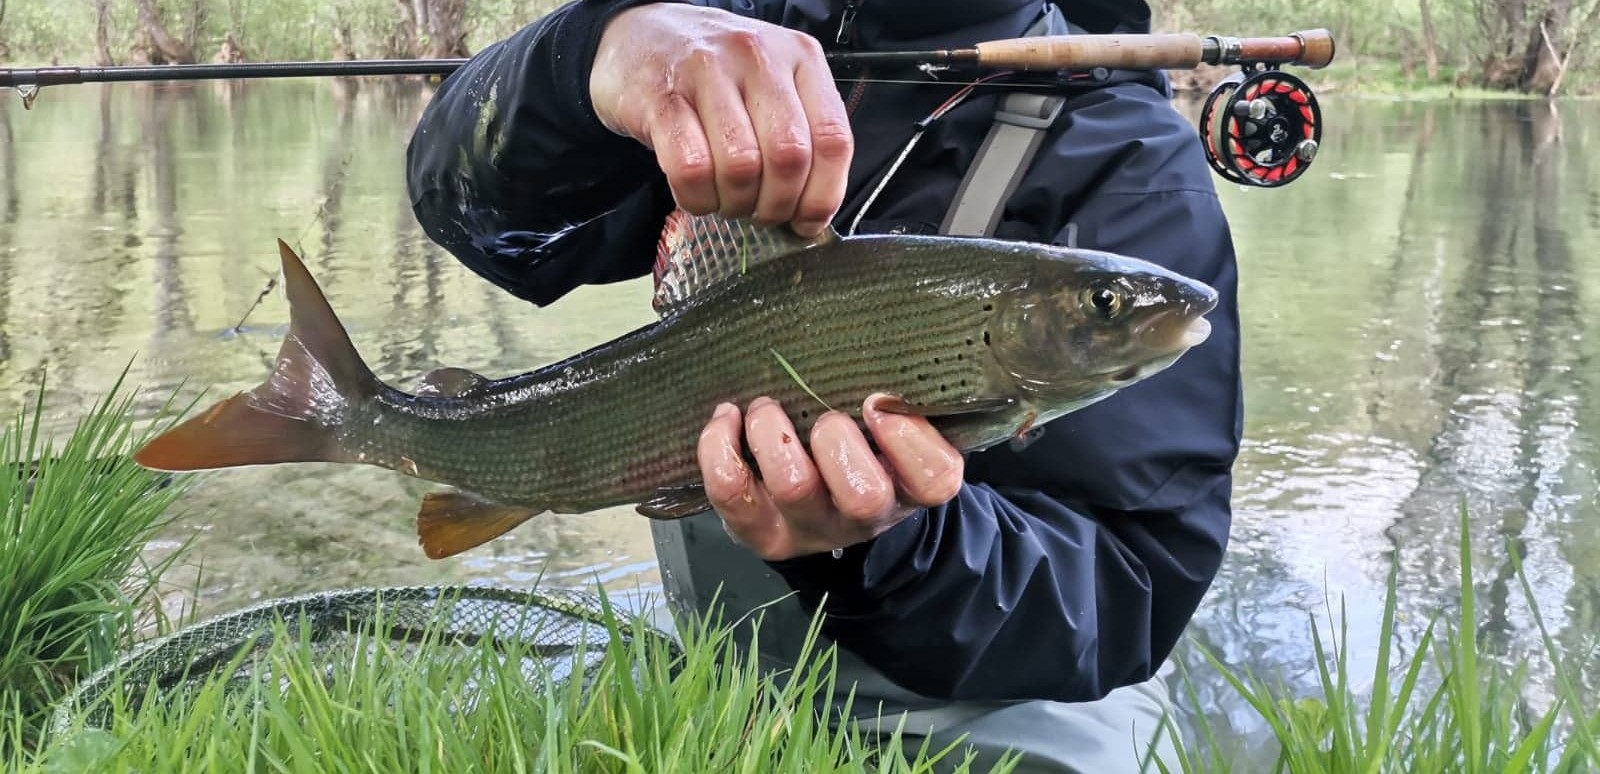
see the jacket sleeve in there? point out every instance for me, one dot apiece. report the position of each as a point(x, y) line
point(1070, 568)
point(511, 171)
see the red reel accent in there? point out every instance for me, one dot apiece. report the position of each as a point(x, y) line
point(1261, 128)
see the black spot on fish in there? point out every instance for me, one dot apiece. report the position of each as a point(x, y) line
point(986, 338)
point(969, 341)
point(988, 307)
point(936, 361)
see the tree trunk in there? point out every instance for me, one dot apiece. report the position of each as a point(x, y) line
point(231, 52)
point(403, 41)
point(1430, 42)
point(161, 47)
point(102, 33)
point(1542, 63)
point(197, 18)
point(447, 28)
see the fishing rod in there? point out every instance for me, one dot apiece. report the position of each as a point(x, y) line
point(1172, 51)
point(1260, 126)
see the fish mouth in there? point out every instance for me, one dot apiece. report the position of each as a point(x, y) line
point(1175, 330)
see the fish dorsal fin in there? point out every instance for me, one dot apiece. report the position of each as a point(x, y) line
point(698, 251)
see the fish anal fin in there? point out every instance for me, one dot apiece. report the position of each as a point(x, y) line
point(449, 382)
point(897, 405)
point(675, 503)
point(698, 251)
point(452, 521)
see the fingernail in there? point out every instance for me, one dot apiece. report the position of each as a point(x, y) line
point(724, 409)
point(762, 401)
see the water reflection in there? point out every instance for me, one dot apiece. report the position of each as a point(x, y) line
point(1459, 374)
point(1415, 316)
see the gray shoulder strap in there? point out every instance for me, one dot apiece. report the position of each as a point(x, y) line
point(1020, 124)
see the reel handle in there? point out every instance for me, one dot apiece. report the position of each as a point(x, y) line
point(1171, 51)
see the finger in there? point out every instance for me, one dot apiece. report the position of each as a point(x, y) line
point(787, 472)
point(926, 468)
point(735, 148)
point(832, 146)
point(858, 484)
point(785, 136)
point(684, 154)
point(733, 490)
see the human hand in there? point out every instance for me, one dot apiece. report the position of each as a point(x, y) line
point(838, 495)
point(743, 115)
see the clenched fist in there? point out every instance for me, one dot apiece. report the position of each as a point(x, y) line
point(743, 116)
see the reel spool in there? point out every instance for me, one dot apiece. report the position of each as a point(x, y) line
point(1261, 128)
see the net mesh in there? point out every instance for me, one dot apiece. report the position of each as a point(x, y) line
point(564, 630)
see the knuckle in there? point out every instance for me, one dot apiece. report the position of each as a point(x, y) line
point(813, 211)
point(809, 46)
point(743, 165)
point(747, 42)
point(692, 172)
point(723, 488)
point(790, 155)
point(699, 59)
point(867, 503)
point(833, 140)
point(941, 487)
point(794, 490)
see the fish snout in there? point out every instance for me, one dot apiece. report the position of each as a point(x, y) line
point(1181, 324)
point(1197, 298)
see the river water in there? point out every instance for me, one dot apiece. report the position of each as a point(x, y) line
point(1417, 317)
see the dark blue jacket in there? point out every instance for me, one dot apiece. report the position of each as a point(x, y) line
point(1063, 570)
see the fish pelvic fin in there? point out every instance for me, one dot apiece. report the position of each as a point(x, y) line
point(451, 522)
point(293, 415)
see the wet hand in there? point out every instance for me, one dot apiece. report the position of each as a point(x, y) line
point(743, 116)
point(840, 494)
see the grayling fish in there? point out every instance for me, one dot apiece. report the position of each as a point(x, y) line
point(986, 338)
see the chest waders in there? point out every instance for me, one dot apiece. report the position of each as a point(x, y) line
point(701, 566)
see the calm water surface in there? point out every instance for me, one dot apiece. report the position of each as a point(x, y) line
point(1417, 315)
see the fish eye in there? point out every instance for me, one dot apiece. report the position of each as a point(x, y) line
point(1103, 301)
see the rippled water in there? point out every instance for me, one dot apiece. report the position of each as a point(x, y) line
point(1417, 332)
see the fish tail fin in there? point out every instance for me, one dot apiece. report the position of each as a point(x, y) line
point(293, 415)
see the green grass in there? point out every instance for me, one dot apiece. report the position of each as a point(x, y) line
point(1445, 709)
point(77, 590)
point(74, 585)
point(650, 706)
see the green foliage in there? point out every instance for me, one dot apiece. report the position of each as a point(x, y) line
point(650, 706)
point(1472, 720)
point(76, 586)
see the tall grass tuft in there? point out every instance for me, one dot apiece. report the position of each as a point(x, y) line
point(1462, 715)
point(379, 704)
point(74, 520)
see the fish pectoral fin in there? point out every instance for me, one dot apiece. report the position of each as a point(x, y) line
point(448, 382)
point(675, 503)
point(896, 405)
point(451, 522)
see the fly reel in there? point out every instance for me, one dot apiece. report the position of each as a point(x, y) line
point(1261, 127)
